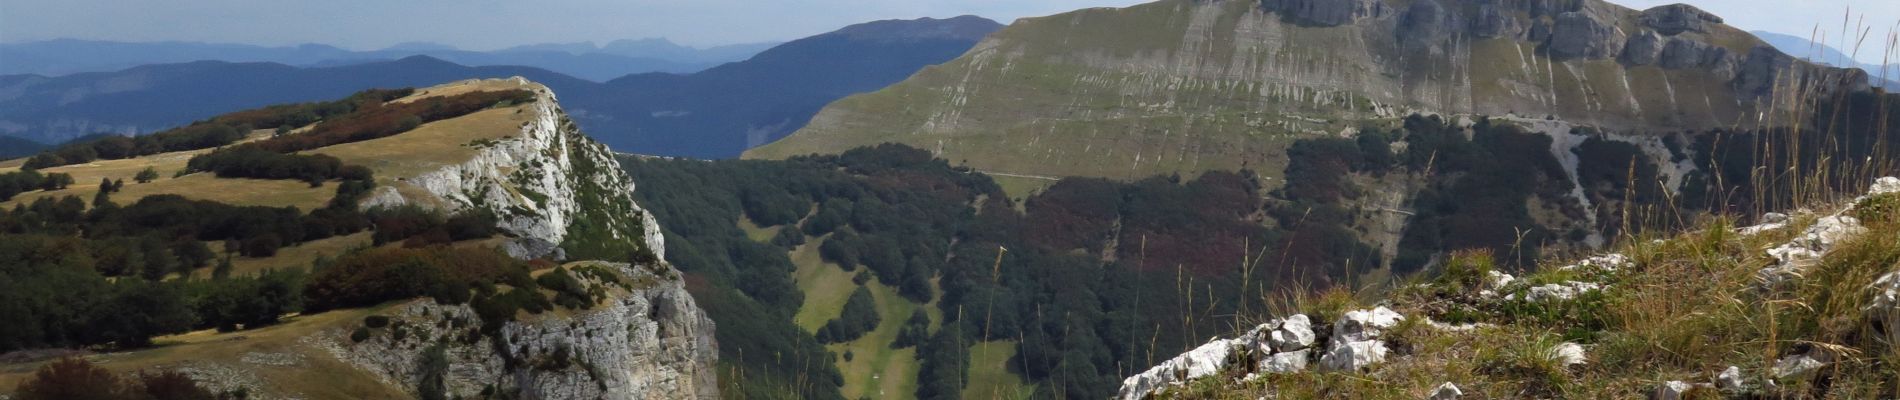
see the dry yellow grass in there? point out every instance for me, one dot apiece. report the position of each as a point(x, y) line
point(433, 145)
point(313, 374)
point(298, 256)
point(201, 186)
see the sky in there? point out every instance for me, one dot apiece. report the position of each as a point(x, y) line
point(492, 24)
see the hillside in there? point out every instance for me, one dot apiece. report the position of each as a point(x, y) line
point(472, 253)
point(710, 114)
point(1801, 305)
point(13, 147)
point(1826, 54)
point(722, 111)
point(1182, 86)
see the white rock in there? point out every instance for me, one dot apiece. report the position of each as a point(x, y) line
point(1288, 362)
point(1360, 325)
point(1568, 353)
point(1606, 262)
point(1353, 355)
point(1295, 333)
point(1796, 366)
point(1206, 360)
point(1561, 291)
point(1465, 327)
point(1730, 379)
point(1884, 186)
point(1794, 257)
point(1673, 390)
point(1884, 308)
point(1447, 391)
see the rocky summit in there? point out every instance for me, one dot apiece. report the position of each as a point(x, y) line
point(1196, 85)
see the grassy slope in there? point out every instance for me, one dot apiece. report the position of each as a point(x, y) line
point(1689, 307)
point(1182, 86)
point(875, 370)
point(315, 375)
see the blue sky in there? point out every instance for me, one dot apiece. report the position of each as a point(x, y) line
point(488, 24)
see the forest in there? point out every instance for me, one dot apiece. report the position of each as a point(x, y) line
point(896, 215)
point(1100, 276)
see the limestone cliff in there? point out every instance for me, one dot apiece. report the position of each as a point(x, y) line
point(648, 341)
point(548, 183)
point(557, 195)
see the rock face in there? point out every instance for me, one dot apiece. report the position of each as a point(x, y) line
point(649, 341)
point(1325, 12)
point(645, 338)
point(1642, 49)
point(539, 181)
point(1579, 35)
point(1426, 24)
point(1675, 19)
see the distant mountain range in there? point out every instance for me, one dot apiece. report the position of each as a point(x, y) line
point(716, 113)
point(585, 60)
point(1822, 53)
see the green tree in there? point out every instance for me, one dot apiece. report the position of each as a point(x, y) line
point(859, 316)
point(146, 175)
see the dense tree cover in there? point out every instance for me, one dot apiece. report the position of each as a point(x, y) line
point(859, 317)
point(1480, 191)
point(907, 219)
point(52, 295)
point(217, 131)
point(78, 379)
point(230, 303)
point(916, 330)
point(1747, 172)
point(28, 179)
point(945, 370)
point(375, 276)
point(257, 163)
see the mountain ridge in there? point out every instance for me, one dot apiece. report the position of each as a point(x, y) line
point(1219, 84)
point(60, 57)
point(715, 113)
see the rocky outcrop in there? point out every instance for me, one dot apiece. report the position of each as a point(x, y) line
point(1280, 346)
point(537, 181)
point(1325, 12)
point(1494, 21)
point(1580, 35)
point(1683, 53)
point(643, 338)
point(647, 341)
point(1426, 24)
point(1643, 48)
point(1675, 19)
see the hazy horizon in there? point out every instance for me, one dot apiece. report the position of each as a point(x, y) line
point(483, 25)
